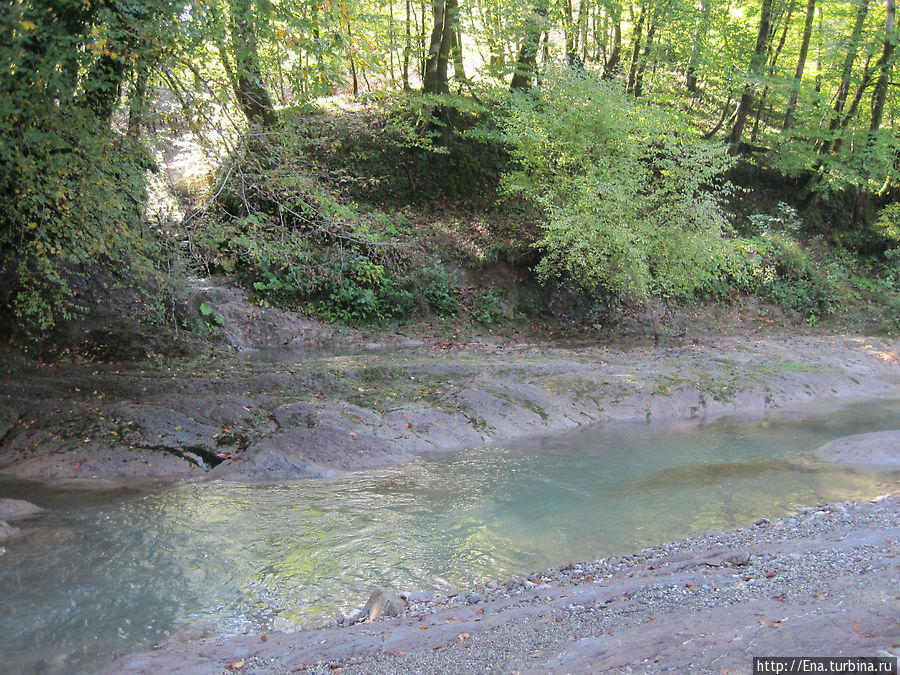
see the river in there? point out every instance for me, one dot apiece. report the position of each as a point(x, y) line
point(108, 572)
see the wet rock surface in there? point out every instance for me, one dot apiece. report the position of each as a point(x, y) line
point(17, 509)
point(234, 416)
point(877, 451)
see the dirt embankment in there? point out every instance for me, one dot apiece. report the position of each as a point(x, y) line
point(286, 398)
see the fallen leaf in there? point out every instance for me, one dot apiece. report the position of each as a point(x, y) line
point(237, 665)
point(770, 623)
point(463, 636)
point(820, 596)
point(396, 653)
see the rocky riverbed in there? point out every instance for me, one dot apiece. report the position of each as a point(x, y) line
point(284, 398)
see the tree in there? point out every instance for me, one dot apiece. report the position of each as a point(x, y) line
point(443, 42)
point(801, 64)
point(754, 73)
point(249, 88)
point(526, 63)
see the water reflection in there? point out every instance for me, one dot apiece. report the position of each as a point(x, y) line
point(107, 573)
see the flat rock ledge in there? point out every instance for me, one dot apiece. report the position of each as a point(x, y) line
point(316, 415)
point(877, 451)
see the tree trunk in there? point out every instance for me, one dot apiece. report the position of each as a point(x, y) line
point(137, 105)
point(884, 65)
point(571, 35)
point(612, 64)
point(407, 47)
point(459, 69)
point(827, 146)
point(801, 64)
point(352, 61)
point(757, 67)
point(635, 50)
point(526, 63)
point(251, 93)
point(642, 66)
point(690, 80)
point(443, 39)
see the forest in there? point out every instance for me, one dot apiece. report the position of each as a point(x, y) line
point(356, 159)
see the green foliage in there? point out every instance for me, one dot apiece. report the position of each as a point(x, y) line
point(490, 310)
point(631, 198)
point(211, 316)
point(71, 201)
point(886, 227)
point(296, 244)
point(393, 148)
point(72, 189)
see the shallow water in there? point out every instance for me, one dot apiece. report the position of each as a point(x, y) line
point(107, 573)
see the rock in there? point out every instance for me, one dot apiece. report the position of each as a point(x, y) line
point(160, 427)
point(876, 451)
point(16, 509)
point(737, 559)
point(7, 530)
point(321, 452)
point(473, 598)
point(382, 604)
point(420, 596)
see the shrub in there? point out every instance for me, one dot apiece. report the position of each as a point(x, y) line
point(631, 199)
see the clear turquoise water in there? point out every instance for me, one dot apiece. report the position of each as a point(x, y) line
point(107, 573)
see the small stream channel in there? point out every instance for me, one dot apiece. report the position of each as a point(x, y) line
point(105, 573)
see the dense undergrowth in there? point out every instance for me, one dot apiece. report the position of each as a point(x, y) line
point(357, 214)
point(555, 207)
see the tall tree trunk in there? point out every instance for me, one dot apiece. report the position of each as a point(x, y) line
point(459, 69)
point(434, 81)
point(642, 66)
point(571, 35)
point(407, 47)
point(583, 13)
point(770, 71)
point(827, 146)
point(251, 93)
point(612, 64)
point(756, 69)
point(690, 79)
point(526, 63)
point(443, 42)
point(801, 64)
point(137, 106)
point(884, 70)
point(352, 61)
point(635, 50)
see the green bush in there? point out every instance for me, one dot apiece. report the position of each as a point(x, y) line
point(631, 199)
point(71, 203)
point(297, 244)
point(777, 267)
